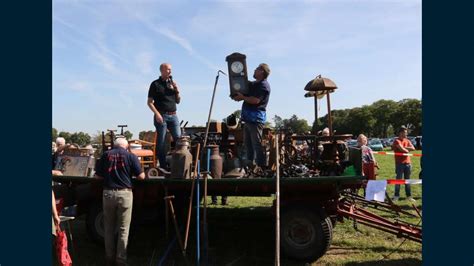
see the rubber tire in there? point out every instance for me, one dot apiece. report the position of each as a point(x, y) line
point(95, 222)
point(315, 243)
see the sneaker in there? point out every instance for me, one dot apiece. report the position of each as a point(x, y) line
point(395, 198)
point(411, 199)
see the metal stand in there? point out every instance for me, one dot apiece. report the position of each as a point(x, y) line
point(277, 227)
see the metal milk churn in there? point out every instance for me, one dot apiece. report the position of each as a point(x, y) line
point(216, 162)
point(181, 160)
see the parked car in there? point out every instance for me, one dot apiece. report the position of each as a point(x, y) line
point(412, 140)
point(386, 142)
point(376, 144)
point(352, 143)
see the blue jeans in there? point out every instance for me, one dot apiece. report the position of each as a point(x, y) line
point(170, 122)
point(253, 143)
point(403, 170)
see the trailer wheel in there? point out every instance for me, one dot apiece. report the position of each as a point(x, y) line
point(95, 222)
point(305, 234)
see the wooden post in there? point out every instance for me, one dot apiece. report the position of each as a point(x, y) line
point(329, 115)
point(190, 207)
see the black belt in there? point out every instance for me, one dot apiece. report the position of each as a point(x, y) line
point(170, 113)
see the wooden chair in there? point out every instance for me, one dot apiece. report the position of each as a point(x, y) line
point(146, 155)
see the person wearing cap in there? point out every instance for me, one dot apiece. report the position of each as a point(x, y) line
point(116, 167)
point(402, 162)
point(163, 96)
point(253, 114)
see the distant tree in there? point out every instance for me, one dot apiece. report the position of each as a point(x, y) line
point(361, 121)
point(383, 111)
point(54, 134)
point(278, 122)
point(128, 135)
point(80, 138)
point(298, 126)
point(408, 113)
point(97, 138)
point(339, 122)
point(379, 119)
point(65, 135)
point(141, 134)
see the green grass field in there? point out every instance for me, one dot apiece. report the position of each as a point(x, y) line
point(242, 233)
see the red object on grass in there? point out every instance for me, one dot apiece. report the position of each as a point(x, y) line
point(369, 170)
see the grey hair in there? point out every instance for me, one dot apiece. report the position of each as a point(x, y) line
point(60, 141)
point(122, 142)
point(325, 131)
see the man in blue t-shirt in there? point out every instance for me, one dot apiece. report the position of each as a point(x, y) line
point(116, 167)
point(254, 114)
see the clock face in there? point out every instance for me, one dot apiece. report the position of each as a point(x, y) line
point(237, 67)
point(236, 86)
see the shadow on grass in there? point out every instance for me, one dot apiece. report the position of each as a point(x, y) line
point(396, 262)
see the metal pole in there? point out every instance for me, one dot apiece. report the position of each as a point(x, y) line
point(167, 215)
point(277, 194)
point(198, 251)
point(210, 109)
point(204, 215)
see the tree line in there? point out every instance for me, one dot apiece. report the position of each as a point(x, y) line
point(379, 119)
point(82, 139)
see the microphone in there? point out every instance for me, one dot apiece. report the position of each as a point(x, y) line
point(169, 83)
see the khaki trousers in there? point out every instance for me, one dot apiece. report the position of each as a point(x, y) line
point(117, 206)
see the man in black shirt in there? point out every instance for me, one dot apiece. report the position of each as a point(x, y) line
point(116, 167)
point(163, 96)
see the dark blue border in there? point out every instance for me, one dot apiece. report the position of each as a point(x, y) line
point(25, 197)
point(448, 68)
point(448, 72)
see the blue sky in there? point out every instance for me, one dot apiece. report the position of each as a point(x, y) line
point(106, 53)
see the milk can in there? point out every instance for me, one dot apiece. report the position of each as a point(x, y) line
point(216, 161)
point(181, 160)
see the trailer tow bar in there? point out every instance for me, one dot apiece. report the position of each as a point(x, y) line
point(348, 209)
